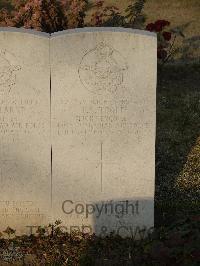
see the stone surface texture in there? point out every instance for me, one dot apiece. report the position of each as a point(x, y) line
point(78, 119)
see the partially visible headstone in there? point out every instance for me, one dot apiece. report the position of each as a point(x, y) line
point(24, 129)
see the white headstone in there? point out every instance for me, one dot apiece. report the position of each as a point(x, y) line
point(24, 129)
point(78, 119)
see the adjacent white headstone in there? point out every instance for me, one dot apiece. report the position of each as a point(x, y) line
point(24, 130)
point(78, 119)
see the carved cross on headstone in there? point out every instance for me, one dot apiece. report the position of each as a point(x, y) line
point(100, 162)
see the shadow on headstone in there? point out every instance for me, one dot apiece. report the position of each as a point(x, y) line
point(125, 217)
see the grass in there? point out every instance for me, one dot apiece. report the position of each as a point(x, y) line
point(178, 145)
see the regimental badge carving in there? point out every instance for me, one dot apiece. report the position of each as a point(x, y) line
point(7, 72)
point(102, 69)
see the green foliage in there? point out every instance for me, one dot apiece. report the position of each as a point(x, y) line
point(6, 4)
point(109, 16)
point(177, 244)
point(86, 260)
point(134, 14)
point(9, 231)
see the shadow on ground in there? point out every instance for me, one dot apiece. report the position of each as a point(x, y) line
point(178, 130)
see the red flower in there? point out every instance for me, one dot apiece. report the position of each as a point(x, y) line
point(162, 54)
point(98, 19)
point(167, 35)
point(196, 218)
point(160, 24)
point(150, 27)
point(196, 255)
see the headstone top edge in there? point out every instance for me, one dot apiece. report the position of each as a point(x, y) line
point(78, 30)
point(104, 29)
point(23, 30)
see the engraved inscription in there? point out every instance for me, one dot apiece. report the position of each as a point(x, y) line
point(7, 72)
point(23, 209)
point(99, 117)
point(102, 69)
point(19, 117)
